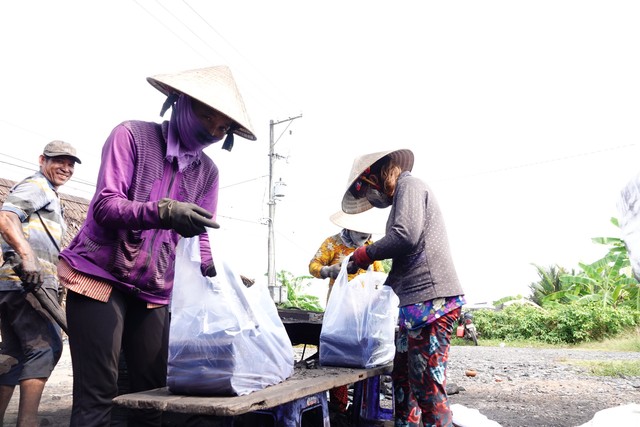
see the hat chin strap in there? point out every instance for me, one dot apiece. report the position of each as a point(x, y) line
point(171, 99)
point(228, 141)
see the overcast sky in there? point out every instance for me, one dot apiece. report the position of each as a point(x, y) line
point(523, 116)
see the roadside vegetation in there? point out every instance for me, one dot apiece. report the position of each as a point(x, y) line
point(612, 368)
point(594, 307)
point(297, 286)
point(597, 302)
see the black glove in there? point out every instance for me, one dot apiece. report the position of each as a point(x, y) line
point(30, 272)
point(187, 219)
point(352, 268)
point(208, 270)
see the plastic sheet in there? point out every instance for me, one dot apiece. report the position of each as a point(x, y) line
point(358, 327)
point(469, 417)
point(629, 220)
point(623, 415)
point(225, 338)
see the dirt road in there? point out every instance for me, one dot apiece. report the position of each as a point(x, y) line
point(515, 387)
point(525, 387)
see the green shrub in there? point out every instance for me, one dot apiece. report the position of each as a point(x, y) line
point(555, 324)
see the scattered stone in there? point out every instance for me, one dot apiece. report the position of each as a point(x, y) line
point(452, 388)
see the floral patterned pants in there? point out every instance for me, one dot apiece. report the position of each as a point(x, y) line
point(419, 374)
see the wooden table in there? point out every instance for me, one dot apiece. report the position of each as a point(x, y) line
point(304, 382)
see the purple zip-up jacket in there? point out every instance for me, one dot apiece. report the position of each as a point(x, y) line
point(121, 240)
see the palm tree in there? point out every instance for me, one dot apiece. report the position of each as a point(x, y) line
point(548, 284)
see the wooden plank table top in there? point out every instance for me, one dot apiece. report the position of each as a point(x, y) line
point(304, 382)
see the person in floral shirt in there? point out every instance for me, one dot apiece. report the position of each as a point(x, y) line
point(327, 261)
point(326, 264)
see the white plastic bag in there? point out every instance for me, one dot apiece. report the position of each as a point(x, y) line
point(358, 326)
point(629, 221)
point(224, 338)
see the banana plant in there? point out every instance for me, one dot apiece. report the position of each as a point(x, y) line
point(296, 298)
point(608, 280)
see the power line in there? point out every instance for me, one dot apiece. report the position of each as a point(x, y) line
point(282, 133)
point(290, 240)
point(18, 159)
point(255, 69)
point(538, 163)
point(481, 173)
point(23, 128)
point(190, 30)
point(79, 181)
point(244, 182)
point(203, 40)
point(240, 219)
point(215, 31)
point(170, 29)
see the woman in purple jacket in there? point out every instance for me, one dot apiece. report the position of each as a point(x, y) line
point(422, 275)
point(155, 184)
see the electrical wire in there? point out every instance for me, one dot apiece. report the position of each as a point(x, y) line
point(243, 182)
point(240, 219)
point(189, 28)
point(35, 167)
point(255, 69)
point(204, 41)
point(535, 164)
point(279, 233)
point(285, 129)
point(170, 30)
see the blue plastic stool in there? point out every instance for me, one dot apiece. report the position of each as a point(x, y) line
point(313, 409)
point(367, 409)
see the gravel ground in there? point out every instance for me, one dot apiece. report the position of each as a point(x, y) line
point(526, 387)
point(516, 387)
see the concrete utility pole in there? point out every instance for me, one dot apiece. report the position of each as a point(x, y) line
point(271, 269)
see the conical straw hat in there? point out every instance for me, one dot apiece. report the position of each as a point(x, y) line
point(350, 204)
point(213, 86)
point(366, 222)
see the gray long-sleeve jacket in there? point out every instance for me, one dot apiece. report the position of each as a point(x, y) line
point(416, 241)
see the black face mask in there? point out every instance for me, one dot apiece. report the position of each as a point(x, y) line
point(378, 199)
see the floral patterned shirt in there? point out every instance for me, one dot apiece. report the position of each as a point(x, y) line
point(332, 251)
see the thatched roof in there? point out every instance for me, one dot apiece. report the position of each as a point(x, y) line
point(75, 209)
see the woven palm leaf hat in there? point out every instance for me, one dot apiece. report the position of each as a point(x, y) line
point(366, 222)
point(351, 205)
point(213, 86)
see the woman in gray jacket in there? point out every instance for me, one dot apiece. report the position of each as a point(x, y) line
point(422, 275)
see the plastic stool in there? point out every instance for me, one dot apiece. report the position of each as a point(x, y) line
point(310, 410)
point(366, 395)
